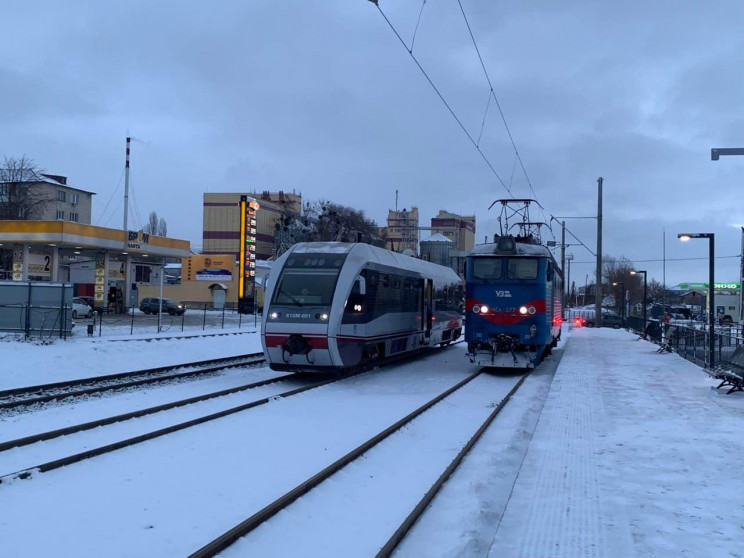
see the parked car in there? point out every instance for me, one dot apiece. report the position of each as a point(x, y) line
point(151, 305)
point(80, 308)
point(90, 301)
point(612, 320)
point(608, 320)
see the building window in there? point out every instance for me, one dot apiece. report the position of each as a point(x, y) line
point(74, 199)
point(4, 190)
point(74, 217)
point(61, 195)
point(60, 214)
point(142, 273)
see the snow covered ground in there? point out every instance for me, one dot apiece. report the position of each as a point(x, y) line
point(619, 452)
point(32, 363)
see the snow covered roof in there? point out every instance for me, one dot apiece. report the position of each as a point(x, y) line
point(28, 175)
point(437, 237)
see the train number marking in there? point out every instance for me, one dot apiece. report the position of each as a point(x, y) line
point(503, 294)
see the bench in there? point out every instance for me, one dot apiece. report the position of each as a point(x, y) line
point(730, 373)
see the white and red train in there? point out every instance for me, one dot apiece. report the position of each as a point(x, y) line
point(334, 306)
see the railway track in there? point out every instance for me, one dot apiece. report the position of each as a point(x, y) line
point(19, 398)
point(222, 542)
point(27, 472)
point(77, 457)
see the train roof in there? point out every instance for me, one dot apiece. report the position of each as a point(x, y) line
point(522, 249)
point(380, 255)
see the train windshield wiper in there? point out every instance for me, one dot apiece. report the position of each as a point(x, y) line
point(289, 296)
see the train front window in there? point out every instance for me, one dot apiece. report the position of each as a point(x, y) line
point(486, 268)
point(305, 289)
point(522, 268)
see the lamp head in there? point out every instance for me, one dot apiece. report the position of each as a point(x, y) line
point(683, 237)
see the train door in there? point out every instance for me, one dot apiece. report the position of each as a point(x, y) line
point(428, 307)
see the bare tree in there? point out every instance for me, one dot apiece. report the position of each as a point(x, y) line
point(156, 225)
point(326, 221)
point(19, 199)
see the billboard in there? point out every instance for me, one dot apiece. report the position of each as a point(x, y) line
point(208, 268)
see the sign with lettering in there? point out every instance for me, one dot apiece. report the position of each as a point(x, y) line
point(248, 234)
point(135, 239)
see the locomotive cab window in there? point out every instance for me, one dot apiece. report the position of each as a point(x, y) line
point(486, 268)
point(522, 268)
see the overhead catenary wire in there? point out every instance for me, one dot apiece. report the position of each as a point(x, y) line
point(656, 260)
point(413, 40)
point(476, 143)
point(446, 104)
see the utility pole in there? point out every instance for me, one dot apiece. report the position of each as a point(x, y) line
point(598, 289)
point(563, 269)
point(126, 186)
point(396, 200)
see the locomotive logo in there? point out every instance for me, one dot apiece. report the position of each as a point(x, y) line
point(503, 294)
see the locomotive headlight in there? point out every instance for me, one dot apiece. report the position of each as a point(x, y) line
point(531, 310)
point(484, 309)
point(476, 309)
point(533, 330)
point(274, 315)
point(522, 310)
point(323, 316)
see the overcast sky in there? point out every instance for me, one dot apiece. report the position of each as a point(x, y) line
point(321, 98)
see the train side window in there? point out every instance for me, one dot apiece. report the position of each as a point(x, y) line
point(549, 272)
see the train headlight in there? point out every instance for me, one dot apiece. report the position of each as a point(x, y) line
point(476, 309)
point(531, 310)
point(533, 330)
point(274, 315)
point(522, 310)
point(321, 316)
point(484, 309)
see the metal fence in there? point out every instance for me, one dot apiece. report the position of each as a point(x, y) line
point(196, 317)
point(691, 341)
point(36, 309)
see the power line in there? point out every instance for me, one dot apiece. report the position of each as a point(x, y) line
point(446, 104)
point(495, 98)
point(671, 260)
point(111, 198)
point(492, 94)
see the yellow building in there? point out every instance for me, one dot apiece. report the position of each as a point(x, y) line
point(221, 228)
point(402, 232)
point(106, 264)
point(211, 280)
point(460, 229)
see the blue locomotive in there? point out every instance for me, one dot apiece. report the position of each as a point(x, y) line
point(513, 302)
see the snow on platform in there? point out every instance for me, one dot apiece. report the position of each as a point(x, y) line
point(634, 453)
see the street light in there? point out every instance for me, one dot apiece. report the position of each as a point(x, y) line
point(622, 300)
point(636, 272)
point(684, 237)
point(716, 152)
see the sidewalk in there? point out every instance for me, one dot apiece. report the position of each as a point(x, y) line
point(633, 454)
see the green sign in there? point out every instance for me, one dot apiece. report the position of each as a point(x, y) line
point(719, 286)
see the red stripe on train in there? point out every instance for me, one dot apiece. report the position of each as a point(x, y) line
point(279, 340)
point(501, 317)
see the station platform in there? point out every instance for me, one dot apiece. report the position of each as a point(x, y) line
point(634, 454)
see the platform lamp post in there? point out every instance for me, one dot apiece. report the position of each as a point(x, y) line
point(684, 237)
point(622, 300)
point(645, 289)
